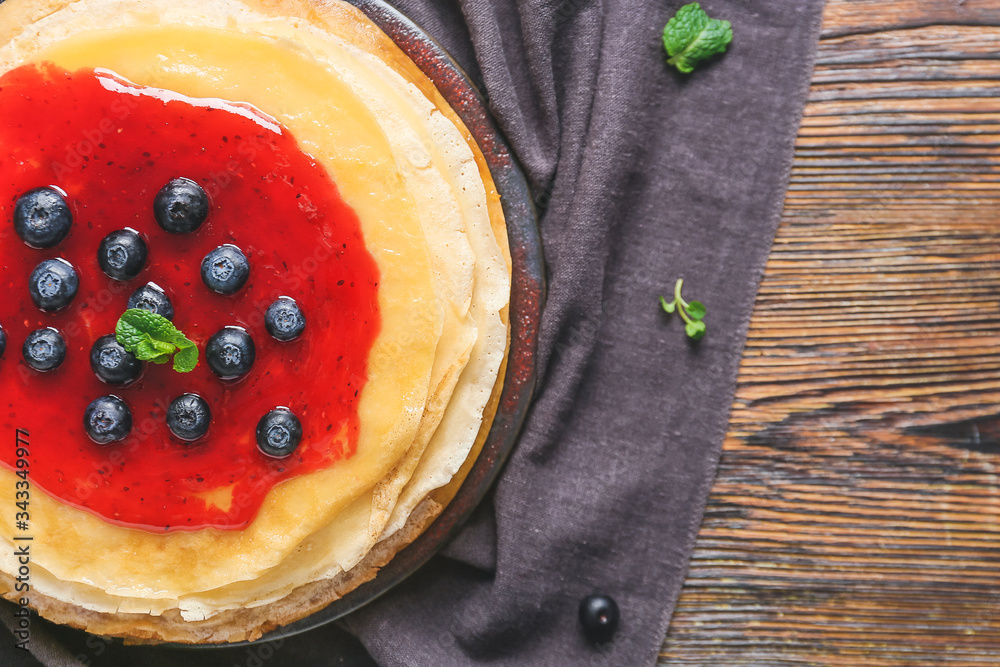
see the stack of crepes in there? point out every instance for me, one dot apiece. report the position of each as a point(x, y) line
point(431, 218)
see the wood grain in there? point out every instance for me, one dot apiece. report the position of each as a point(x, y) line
point(856, 515)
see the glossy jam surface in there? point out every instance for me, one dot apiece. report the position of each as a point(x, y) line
point(110, 146)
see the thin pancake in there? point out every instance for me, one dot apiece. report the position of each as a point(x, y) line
point(436, 150)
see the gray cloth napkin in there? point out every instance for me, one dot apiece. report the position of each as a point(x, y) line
point(645, 176)
point(642, 176)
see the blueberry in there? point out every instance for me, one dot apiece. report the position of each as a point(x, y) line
point(151, 297)
point(113, 363)
point(230, 353)
point(122, 254)
point(42, 217)
point(3, 341)
point(188, 417)
point(107, 419)
point(180, 206)
point(53, 284)
point(279, 433)
point(44, 349)
point(225, 270)
point(284, 319)
point(599, 616)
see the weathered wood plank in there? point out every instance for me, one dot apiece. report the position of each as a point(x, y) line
point(856, 516)
point(870, 16)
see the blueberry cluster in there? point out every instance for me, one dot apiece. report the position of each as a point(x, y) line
point(43, 218)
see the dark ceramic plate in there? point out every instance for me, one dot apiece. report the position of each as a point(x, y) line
point(527, 296)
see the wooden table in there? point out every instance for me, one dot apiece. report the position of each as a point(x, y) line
point(856, 516)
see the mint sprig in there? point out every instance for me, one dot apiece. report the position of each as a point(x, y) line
point(692, 313)
point(691, 37)
point(154, 338)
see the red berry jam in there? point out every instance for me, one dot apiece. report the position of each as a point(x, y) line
point(110, 146)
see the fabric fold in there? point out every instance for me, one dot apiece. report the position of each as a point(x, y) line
point(655, 176)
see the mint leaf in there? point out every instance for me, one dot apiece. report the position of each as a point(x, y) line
point(692, 313)
point(186, 359)
point(691, 37)
point(695, 330)
point(150, 349)
point(697, 310)
point(154, 338)
point(139, 322)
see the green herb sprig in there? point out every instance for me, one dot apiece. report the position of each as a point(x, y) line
point(152, 337)
point(691, 37)
point(692, 313)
